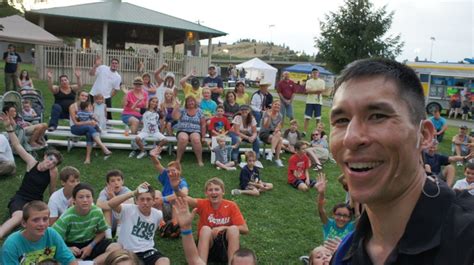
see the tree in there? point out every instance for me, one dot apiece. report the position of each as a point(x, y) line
point(356, 31)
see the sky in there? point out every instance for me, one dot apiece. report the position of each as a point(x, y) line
point(296, 23)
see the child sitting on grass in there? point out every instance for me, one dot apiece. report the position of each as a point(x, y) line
point(291, 136)
point(114, 181)
point(222, 152)
point(250, 181)
point(83, 227)
point(151, 127)
point(338, 226)
point(298, 165)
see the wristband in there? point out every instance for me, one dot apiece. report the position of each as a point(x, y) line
point(92, 244)
point(186, 232)
point(10, 131)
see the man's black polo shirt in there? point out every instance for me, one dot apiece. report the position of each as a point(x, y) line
point(440, 231)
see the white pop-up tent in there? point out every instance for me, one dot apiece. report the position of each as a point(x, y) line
point(258, 69)
point(18, 29)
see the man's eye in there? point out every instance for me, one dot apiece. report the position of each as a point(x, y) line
point(377, 116)
point(340, 121)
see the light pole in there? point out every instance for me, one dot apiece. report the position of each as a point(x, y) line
point(271, 39)
point(431, 50)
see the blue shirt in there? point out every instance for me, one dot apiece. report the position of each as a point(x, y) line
point(438, 123)
point(247, 175)
point(19, 250)
point(164, 179)
point(331, 230)
point(208, 107)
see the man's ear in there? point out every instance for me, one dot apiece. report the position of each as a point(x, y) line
point(427, 134)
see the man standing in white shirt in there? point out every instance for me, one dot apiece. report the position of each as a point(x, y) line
point(314, 99)
point(107, 82)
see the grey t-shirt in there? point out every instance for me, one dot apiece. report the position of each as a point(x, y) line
point(222, 154)
point(273, 122)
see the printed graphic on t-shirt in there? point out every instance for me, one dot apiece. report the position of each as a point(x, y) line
point(38, 256)
point(217, 221)
point(143, 229)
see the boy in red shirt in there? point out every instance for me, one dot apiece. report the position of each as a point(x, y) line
point(219, 124)
point(298, 165)
point(220, 222)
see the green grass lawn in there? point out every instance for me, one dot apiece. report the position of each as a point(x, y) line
point(283, 223)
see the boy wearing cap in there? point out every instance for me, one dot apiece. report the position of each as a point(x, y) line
point(194, 89)
point(462, 143)
point(214, 82)
point(314, 99)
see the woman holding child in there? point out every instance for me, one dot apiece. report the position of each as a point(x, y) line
point(87, 128)
point(135, 100)
point(191, 127)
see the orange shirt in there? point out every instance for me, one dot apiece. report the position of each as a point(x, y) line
point(227, 214)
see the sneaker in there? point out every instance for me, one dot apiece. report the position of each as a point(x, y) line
point(459, 164)
point(51, 128)
point(304, 259)
point(279, 163)
point(107, 156)
point(235, 192)
point(132, 154)
point(269, 156)
point(232, 168)
point(141, 155)
point(318, 167)
point(258, 164)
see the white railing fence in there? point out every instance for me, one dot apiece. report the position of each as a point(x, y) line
point(65, 60)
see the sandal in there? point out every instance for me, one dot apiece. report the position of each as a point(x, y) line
point(107, 155)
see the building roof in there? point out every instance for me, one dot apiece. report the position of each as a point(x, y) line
point(115, 11)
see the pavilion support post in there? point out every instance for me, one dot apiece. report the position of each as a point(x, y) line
point(209, 50)
point(160, 47)
point(39, 53)
point(105, 27)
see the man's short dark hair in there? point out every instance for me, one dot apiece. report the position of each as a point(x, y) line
point(115, 59)
point(82, 186)
point(67, 172)
point(33, 206)
point(56, 154)
point(300, 144)
point(113, 173)
point(405, 78)
point(11, 46)
point(244, 252)
point(7, 107)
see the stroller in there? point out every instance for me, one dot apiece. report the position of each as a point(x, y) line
point(37, 103)
point(14, 98)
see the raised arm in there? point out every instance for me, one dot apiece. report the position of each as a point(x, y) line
point(77, 74)
point(97, 63)
point(183, 80)
point(116, 202)
point(54, 89)
point(185, 221)
point(175, 180)
point(9, 124)
point(158, 71)
point(321, 186)
point(154, 159)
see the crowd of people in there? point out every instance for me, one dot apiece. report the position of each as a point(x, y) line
point(394, 182)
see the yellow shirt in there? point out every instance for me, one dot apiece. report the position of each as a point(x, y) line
point(315, 85)
point(244, 100)
point(190, 91)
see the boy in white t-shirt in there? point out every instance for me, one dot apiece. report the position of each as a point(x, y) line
point(466, 183)
point(138, 224)
point(61, 199)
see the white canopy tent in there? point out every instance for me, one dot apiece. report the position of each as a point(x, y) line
point(19, 30)
point(258, 69)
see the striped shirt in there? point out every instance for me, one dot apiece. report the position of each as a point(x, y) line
point(75, 228)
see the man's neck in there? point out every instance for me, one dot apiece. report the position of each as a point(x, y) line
point(388, 226)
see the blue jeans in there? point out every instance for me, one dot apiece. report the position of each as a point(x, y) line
point(258, 116)
point(88, 130)
point(56, 114)
point(235, 152)
point(286, 109)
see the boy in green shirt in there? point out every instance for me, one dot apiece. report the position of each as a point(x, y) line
point(83, 227)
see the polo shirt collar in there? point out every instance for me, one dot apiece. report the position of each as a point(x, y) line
point(423, 230)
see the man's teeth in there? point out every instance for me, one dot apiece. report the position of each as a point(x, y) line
point(366, 166)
